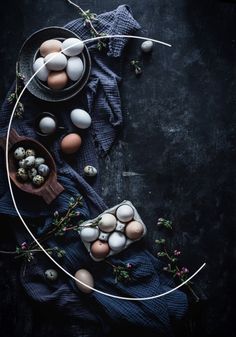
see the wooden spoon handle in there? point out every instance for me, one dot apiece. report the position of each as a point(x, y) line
point(51, 191)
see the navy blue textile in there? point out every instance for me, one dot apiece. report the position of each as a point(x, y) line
point(101, 98)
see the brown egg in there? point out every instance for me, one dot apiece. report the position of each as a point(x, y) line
point(71, 143)
point(57, 80)
point(50, 46)
point(134, 230)
point(86, 277)
point(100, 249)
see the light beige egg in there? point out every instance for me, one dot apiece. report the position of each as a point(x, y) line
point(86, 277)
point(134, 230)
point(50, 46)
point(107, 223)
point(55, 61)
point(57, 80)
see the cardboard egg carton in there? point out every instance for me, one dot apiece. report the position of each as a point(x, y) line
point(120, 227)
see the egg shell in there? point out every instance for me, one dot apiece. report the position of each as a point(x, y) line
point(89, 234)
point(50, 46)
point(117, 241)
point(39, 161)
point(86, 277)
point(90, 171)
point(51, 274)
point(19, 153)
point(22, 174)
point(29, 152)
point(80, 118)
point(57, 80)
point(29, 161)
point(147, 46)
point(134, 230)
point(44, 72)
point(55, 61)
point(43, 170)
point(73, 46)
point(47, 125)
point(100, 249)
point(32, 173)
point(38, 180)
point(71, 143)
point(74, 68)
point(125, 213)
point(107, 223)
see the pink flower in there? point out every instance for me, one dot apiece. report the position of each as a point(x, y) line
point(24, 246)
point(178, 273)
point(177, 252)
point(129, 265)
point(184, 270)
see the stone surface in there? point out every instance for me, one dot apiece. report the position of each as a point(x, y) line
point(178, 145)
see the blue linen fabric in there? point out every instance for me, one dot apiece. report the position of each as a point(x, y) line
point(101, 98)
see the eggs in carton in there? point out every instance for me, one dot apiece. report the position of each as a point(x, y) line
point(112, 231)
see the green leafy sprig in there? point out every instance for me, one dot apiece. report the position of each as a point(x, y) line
point(122, 273)
point(13, 97)
point(89, 18)
point(172, 259)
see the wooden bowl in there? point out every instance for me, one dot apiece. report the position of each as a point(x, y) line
point(51, 188)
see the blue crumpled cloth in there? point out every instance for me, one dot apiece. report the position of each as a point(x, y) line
point(101, 98)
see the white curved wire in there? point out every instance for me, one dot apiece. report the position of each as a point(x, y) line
point(18, 212)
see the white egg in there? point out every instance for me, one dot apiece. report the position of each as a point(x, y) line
point(89, 234)
point(125, 213)
point(80, 118)
point(86, 277)
point(43, 73)
point(107, 223)
point(57, 61)
point(74, 68)
point(47, 125)
point(72, 46)
point(147, 46)
point(117, 241)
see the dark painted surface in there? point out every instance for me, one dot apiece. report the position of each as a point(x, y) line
point(178, 136)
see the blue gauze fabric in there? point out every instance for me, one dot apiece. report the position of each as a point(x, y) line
point(101, 98)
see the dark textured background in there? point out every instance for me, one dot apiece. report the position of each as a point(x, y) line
point(179, 137)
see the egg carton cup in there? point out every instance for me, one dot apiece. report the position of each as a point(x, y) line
point(120, 227)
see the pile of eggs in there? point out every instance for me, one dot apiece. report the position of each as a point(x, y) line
point(30, 167)
point(112, 231)
point(60, 62)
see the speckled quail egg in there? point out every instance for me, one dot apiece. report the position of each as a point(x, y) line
point(29, 152)
point(39, 161)
point(30, 161)
point(21, 163)
point(43, 170)
point(19, 153)
point(51, 274)
point(32, 173)
point(90, 171)
point(38, 180)
point(22, 174)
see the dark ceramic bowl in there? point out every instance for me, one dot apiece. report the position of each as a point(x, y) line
point(29, 52)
